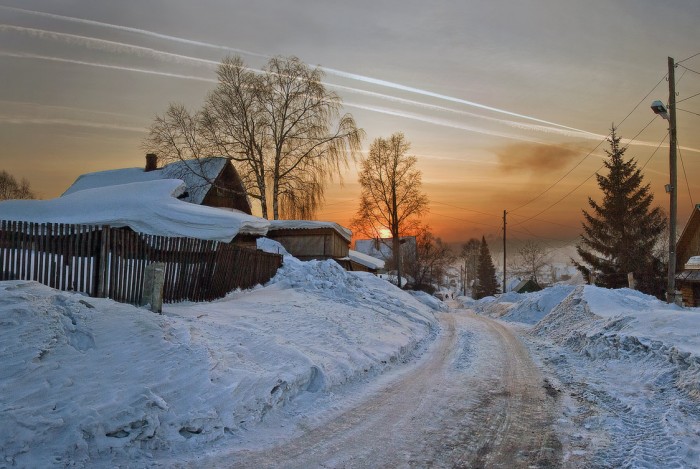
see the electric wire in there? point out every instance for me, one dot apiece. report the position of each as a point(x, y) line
point(687, 184)
point(685, 110)
point(654, 152)
point(689, 69)
point(688, 58)
point(686, 99)
point(594, 149)
point(585, 180)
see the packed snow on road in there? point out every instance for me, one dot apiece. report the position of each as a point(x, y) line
point(303, 359)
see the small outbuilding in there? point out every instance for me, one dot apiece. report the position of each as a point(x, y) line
point(308, 240)
point(527, 286)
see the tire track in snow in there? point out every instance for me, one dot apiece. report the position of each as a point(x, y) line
point(475, 400)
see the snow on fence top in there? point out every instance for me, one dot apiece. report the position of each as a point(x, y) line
point(149, 207)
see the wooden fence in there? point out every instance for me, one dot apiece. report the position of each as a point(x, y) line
point(110, 262)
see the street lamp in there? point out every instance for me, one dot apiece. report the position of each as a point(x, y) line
point(670, 115)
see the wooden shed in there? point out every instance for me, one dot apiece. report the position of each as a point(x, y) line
point(307, 240)
point(688, 260)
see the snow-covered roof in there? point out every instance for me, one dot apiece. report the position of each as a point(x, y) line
point(197, 175)
point(364, 259)
point(309, 225)
point(693, 263)
point(381, 248)
point(149, 207)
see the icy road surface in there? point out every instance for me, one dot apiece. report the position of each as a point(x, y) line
point(475, 399)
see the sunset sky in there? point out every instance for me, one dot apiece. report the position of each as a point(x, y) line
point(506, 103)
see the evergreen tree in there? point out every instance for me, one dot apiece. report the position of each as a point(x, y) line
point(621, 231)
point(487, 285)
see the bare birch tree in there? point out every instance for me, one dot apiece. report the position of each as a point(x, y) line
point(391, 196)
point(532, 258)
point(11, 188)
point(281, 127)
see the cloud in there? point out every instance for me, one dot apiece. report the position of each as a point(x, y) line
point(536, 158)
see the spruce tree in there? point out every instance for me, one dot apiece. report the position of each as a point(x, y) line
point(487, 285)
point(621, 231)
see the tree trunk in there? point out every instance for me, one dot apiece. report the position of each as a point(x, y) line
point(396, 250)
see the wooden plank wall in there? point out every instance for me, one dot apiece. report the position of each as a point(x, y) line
point(111, 262)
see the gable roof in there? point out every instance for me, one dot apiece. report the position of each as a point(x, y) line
point(197, 175)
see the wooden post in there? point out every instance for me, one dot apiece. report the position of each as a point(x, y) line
point(673, 193)
point(154, 279)
point(631, 281)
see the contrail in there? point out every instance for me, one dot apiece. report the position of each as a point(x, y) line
point(71, 122)
point(110, 46)
point(330, 71)
point(22, 55)
point(143, 32)
point(397, 113)
point(114, 46)
point(440, 122)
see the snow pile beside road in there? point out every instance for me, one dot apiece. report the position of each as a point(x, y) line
point(90, 382)
point(527, 308)
point(429, 300)
point(630, 365)
point(607, 324)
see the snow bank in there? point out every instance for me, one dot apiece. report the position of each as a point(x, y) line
point(146, 207)
point(604, 324)
point(429, 300)
point(527, 308)
point(631, 365)
point(90, 382)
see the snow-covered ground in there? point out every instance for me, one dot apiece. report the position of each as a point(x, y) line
point(91, 382)
point(626, 367)
point(88, 382)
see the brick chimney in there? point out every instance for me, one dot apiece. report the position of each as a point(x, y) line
point(151, 162)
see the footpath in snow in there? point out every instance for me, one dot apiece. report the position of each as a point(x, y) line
point(626, 368)
point(91, 382)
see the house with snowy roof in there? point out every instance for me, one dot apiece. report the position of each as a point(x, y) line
point(203, 198)
point(688, 260)
point(211, 181)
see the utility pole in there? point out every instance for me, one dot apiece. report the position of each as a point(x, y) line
point(504, 251)
point(673, 193)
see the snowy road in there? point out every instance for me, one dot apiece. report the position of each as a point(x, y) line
point(475, 399)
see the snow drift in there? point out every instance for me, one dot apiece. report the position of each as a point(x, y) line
point(88, 381)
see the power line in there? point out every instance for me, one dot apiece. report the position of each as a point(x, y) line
point(654, 152)
point(688, 58)
point(685, 110)
point(687, 184)
point(594, 149)
point(544, 221)
point(585, 180)
point(688, 69)
point(463, 208)
point(686, 99)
